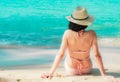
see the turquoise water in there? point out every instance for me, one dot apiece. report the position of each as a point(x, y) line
point(42, 22)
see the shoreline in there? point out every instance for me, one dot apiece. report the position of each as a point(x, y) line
point(31, 73)
point(107, 53)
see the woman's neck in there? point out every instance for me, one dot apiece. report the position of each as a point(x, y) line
point(81, 33)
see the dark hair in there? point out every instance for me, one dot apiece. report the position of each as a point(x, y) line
point(76, 27)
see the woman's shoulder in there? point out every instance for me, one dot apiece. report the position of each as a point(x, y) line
point(67, 31)
point(91, 32)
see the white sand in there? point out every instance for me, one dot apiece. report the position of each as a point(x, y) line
point(32, 73)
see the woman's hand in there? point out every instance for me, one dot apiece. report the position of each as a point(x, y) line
point(110, 78)
point(46, 75)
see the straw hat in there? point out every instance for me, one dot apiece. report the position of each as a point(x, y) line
point(80, 16)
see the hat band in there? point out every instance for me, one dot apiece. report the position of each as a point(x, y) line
point(79, 19)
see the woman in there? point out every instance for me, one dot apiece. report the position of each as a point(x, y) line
point(79, 43)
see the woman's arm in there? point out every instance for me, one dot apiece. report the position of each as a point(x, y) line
point(58, 57)
point(100, 62)
point(97, 55)
point(57, 60)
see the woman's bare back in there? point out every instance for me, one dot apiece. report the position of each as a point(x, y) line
point(79, 47)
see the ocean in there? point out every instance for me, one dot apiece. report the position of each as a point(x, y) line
point(41, 23)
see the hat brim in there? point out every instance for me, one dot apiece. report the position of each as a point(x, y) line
point(87, 21)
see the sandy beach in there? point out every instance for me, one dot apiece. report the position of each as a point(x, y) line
point(32, 73)
point(31, 32)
